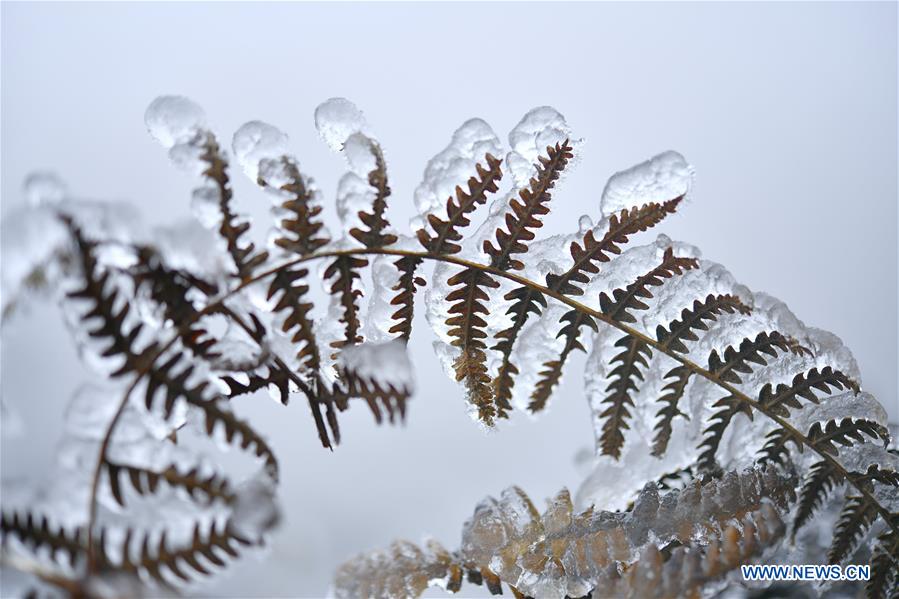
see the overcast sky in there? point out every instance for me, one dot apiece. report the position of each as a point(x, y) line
point(787, 112)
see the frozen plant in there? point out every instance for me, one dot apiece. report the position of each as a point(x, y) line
point(719, 416)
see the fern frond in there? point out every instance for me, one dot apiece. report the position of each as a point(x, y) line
point(243, 253)
point(146, 482)
point(443, 241)
point(446, 232)
point(375, 234)
point(779, 399)
point(635, 355)
point(525, 301)
point(155, 559)
point(728, 407)
point(405, 296)
point(289, 284)
point(671, 396)
point(276, 377)
point(552, 372)
point(169, 288)
point(176, 384)
point(776, 449)
point(622, 300)
point(109, 322)
point(235, 429)
point(36, 532)
point(525, 212)
point(856, 518)
point(679, 331)
point(821, 479)
point(881, 474)
point(846, 432)
point(302, 232)
point(393, 399)
point(591, 250)
point(750, 351)
point(342, 274)
point(467, 330)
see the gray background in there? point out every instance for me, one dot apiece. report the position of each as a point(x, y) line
point(787, 111)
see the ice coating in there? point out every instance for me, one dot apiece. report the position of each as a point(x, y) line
point(564, 552)
point(859, 405)
point(44, 187)
point(454, 165)
point(540, 127)
point(35, 244)
point(336, 120)
point(661, 178)
point(256, 142)
point(255, 511)
point(173, 120)
point(386, 363)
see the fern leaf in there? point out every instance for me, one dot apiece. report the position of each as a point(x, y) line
point(289, 284)
point(628, 222)
point(525, 212)
point(276, 377)
point(778, 400)
point(552, 372)
point(634, 355)
point(243, 253)
point(776, 448)
point(36, 532)
point(467, 330)
point(302, 231)
point(679, 331)
point(728, 407)
point(525, 301)
point(446, 232)
point(880, 474)
point(443, 241)
point(672, 394)
point(157, 559)
point(235, 429)
point(751, 351)
point(109, 322)
point(145, 482)
point(405, 297)
point(176, 384)
point(846, 432)
point(392, 398)
point(169, 288)
point(622, 300)
point(820, 481)
point(375, 234)
point(342, 274)
point(856, 518)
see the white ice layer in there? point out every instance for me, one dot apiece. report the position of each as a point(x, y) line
point(336, 120)
point(257, 143)
point(659, 179)
point(539, 128)
point(453, 166)
point(386, 363)
point(174, 120)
